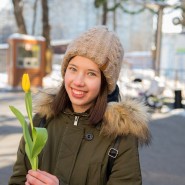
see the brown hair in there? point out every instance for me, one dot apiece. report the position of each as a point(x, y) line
point(61, 101)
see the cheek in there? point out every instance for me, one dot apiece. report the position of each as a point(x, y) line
point(95, 86)
point(67, 77)
point(66, 80)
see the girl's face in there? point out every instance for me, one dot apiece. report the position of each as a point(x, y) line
point(82, 82)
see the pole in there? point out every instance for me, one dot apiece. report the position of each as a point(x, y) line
point(158, 40)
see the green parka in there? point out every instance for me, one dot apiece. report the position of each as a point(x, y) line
point(78, 154)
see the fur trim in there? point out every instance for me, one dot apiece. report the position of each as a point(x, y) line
point(127, 117)
point(42, 102)
point(123, 118)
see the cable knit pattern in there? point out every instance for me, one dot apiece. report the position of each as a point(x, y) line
point(101, 46)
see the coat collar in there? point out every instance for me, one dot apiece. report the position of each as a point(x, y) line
point(121, 118)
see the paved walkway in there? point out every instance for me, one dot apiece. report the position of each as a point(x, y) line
point(163, 163)
point(10, 132)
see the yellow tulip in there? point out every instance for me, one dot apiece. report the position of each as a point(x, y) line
point(25, 82)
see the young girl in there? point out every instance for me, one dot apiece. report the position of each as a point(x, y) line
point(83, 125)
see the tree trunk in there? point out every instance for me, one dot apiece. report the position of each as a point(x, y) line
point(104, 17)
point(34, 16)
point(18, 12)
point(45, 23)
point(114, 16)
point(46, 35)
point(183, 14)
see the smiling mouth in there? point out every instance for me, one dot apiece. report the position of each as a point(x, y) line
point(78, 93)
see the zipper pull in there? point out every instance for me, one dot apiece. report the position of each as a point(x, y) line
point(76, 120)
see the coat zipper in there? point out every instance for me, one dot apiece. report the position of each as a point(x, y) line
point(76, 120)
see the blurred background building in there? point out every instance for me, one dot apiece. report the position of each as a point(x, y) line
point(151, 31)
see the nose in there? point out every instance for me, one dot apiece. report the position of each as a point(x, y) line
point(79, 80)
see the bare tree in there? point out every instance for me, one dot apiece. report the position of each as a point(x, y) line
point(183, 13)
point(114, 17)
point(45, 22)
point(103, 4)
point(34, 16)
point(46, 35)
point(18, 12)
point(105, 11)
point(116, 4)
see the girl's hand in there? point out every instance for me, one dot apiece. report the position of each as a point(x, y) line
point(40, 178)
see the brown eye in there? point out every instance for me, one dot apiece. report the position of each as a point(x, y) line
point(91, 74)
point(72, 69)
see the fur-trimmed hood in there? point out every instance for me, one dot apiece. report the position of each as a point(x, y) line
point(121, 118)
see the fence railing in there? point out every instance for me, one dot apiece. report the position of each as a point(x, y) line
point(174, 79)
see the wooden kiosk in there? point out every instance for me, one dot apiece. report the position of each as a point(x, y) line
point(26, 54)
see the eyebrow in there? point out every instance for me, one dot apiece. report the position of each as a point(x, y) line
point(94, 71)
point(72, 65)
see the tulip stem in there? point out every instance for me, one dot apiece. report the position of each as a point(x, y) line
point(28, 101)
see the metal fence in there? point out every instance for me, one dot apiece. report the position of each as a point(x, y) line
point(175, 75)
point(174, 78)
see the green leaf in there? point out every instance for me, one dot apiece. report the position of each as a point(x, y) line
point(33, 161)
point(40, 137)
point(26, 133)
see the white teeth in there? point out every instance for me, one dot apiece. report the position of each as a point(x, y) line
point(77, 92)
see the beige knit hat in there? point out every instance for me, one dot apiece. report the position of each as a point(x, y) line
point(101, 46)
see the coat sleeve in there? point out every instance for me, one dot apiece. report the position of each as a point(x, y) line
point(20, 167)
point(126, 168)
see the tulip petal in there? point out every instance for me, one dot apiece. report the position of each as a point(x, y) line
point(26, 82)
